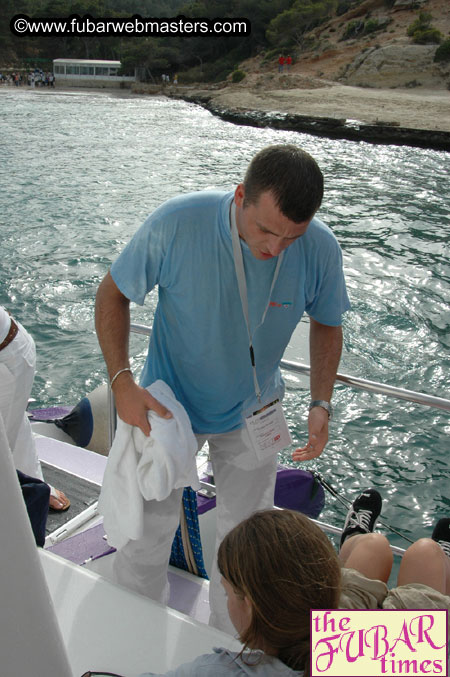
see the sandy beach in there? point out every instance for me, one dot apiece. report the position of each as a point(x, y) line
point(427, 109)
point(419, 108)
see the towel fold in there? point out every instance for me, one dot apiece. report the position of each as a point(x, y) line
point(146, 468)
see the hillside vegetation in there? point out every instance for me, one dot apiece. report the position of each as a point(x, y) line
point(374, 44)
point(362, 42)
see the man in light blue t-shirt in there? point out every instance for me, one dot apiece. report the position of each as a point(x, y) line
point(212, 255)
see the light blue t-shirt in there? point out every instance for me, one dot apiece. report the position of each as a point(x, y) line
point(199, 344)
point(225, 663)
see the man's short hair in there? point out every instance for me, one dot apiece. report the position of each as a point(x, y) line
point(291, 175)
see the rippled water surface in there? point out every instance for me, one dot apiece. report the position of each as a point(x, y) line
point(80, 171)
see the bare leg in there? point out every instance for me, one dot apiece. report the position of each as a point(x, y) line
point(370, 554)
point(424, 562)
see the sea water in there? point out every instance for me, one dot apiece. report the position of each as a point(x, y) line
point(80, 172)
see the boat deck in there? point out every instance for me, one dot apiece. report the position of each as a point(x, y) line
point(132, 633)
point(74, 619)
point(80, 472)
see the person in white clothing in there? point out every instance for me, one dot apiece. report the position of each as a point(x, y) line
point(236, 271)
point(17, 367)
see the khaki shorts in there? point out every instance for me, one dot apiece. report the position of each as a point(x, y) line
point(359, 592)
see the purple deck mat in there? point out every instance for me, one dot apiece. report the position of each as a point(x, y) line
point(91, 543)
point(87, 545)
point(49, 414)
point(188, 596)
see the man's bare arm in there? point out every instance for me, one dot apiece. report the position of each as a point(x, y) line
point(112, 323)
point(325, 347)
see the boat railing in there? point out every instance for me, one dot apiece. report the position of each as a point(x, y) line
point(303, 369)
point(352, 381)
point(209, 488)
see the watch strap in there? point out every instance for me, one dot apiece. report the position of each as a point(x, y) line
point(324, 404)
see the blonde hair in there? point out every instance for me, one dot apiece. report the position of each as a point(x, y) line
point(285, 566)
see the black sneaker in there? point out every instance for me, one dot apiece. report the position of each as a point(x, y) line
point(441, 534)
point(363, 515)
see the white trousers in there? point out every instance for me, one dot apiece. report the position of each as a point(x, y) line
point(17, 367)
point(244, 484)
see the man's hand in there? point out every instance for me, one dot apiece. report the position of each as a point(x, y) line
point(325, 346)
point(318, 435)
point(112, 322)
point(133, 403)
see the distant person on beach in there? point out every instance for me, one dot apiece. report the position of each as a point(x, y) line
point(281, 61)
point(17, 367)
point(289, 62)
point(212, 254)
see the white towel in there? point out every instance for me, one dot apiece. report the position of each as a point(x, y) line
point(145, 468)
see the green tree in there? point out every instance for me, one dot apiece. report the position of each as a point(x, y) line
point(443, 52)
point(290, 26)
point(9, 43)
point(422, 32)
point(422, 22)
point(260, 13)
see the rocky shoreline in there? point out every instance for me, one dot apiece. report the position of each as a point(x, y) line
point(330, 127)
point(382, 117)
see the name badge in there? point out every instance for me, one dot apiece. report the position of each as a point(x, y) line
point(268, 430)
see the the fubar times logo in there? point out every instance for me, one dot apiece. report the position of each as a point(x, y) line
point(379, 643)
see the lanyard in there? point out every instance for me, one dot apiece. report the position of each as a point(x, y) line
point(242, 283)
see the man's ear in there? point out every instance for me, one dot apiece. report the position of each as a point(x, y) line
point(239, 195)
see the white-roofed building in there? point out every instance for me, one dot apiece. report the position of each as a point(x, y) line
point(90, 73)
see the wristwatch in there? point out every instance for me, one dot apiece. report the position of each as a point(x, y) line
point(325, 405)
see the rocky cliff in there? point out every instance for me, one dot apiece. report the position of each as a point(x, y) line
point(343, 50)
point(397, 65)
